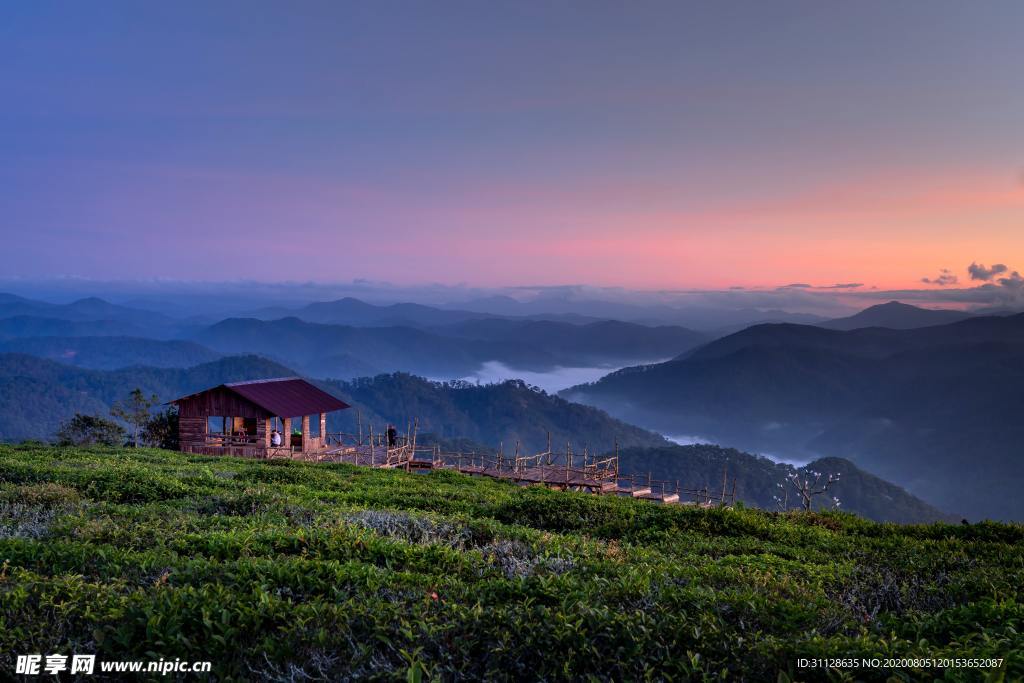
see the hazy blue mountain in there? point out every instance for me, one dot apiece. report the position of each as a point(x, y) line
point(589, 344)
point(358, 313)
point(91, 308)
point(109, 353)
point(876, 342)
point(355, 312)
point(315, 348)
point(934, 409)
point(705, 318)
point(451, 351)
point(34, 326)
point(897, 316)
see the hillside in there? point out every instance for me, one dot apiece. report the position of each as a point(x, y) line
point(757, 479)
point(486, 414)
point(935, 410)
point(292, 571)
point(897, 316)
point(36, 395)
point(110, 353)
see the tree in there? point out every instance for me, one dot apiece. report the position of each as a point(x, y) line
point(810, 484)
point(85, 430)
point(161, 430)
point(135, 411)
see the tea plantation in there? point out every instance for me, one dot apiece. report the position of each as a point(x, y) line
point(290, 571)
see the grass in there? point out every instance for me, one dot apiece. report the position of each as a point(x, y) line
point(290, 571)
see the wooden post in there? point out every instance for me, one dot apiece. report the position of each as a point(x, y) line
point(323, 428)
point(616, 457)
point(286, 438)
point(264, 438)
point(371, 444)
point(305, 433)
point(725, 482)
point(359, 426)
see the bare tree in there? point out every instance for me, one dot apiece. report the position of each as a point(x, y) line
point(783, 502)
point(811, 484)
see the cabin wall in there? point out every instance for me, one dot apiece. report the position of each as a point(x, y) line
point(219, 402)
point(191, 431)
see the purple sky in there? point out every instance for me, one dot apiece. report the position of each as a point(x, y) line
point(660, 144)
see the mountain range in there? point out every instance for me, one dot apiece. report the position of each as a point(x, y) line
point(925, 398)
point(447, 351)
point(111, 352)
point(936, 409)
point(897, 316)
point(36, 395)
point(90, 308)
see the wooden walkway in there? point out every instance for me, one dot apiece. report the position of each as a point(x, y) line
point(564, 470)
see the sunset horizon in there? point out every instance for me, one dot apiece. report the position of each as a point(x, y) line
point(398, 146)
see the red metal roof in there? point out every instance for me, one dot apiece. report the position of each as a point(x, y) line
point(284, 396)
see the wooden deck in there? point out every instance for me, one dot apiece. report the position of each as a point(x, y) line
point(563, 470)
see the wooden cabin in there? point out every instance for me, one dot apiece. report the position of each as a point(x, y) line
point(239, 418)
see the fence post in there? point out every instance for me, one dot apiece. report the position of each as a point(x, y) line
point(725, 481)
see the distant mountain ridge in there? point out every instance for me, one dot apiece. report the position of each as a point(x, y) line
point(112, 352)
point(936, 409)
point(897, 316)
point(594, 342)
point(354, 312)
point(454, 351)
point(25, 326)
point(89, 308)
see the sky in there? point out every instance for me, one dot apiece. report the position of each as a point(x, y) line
point(651, 145)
